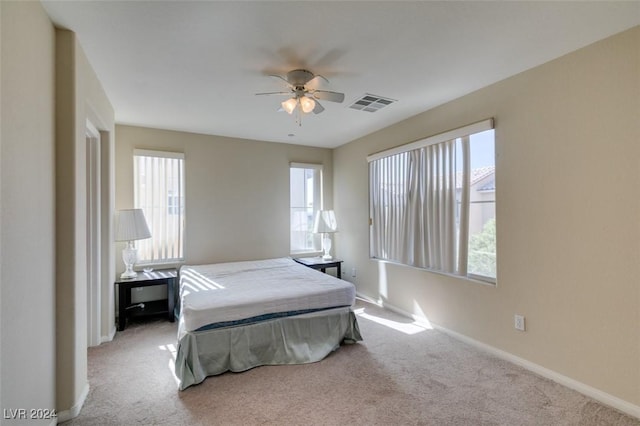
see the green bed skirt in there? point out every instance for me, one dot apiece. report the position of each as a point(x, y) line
point(298, 339)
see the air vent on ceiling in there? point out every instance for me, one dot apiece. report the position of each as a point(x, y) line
point(371, 103)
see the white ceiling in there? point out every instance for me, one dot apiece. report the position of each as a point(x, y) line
point(195, 66)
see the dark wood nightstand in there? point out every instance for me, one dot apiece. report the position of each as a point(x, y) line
point(166, 277)
point(321, 264)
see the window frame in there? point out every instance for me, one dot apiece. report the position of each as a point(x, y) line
point(318, 189)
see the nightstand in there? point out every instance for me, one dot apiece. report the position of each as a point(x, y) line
point(166, 277)
point(321, 264)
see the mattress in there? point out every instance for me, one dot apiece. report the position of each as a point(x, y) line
point(237, 291)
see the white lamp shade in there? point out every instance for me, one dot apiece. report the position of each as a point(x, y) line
point(132, 225)
point(289, 105)
point(325, 222)
point(307, 104)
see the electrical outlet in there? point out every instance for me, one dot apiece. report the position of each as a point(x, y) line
point(353, 272)
point(519, 322)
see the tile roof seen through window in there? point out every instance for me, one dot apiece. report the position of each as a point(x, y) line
point(477, 175)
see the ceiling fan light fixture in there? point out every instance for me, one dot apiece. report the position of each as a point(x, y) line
point(307, 104)
point(289, 105)
point(304, 97)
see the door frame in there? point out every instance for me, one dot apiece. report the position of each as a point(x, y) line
point(94, 245)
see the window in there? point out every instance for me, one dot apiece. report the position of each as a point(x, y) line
point(306, 199)
point(432, 203)
point(159, 191)
point(481, 252)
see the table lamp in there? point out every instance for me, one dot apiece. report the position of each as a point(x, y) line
point(131, 226)
point(326, 224)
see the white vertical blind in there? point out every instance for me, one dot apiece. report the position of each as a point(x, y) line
point(159, 191)
point(305, 201)
point(389, 200)
point(413, 207)
point(463, 220)
point(419, 201)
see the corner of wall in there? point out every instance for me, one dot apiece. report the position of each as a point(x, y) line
point(27, 170)
point(79, 97)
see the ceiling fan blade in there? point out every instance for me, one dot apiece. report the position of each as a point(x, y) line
point(281, 78)
point(327, 95)
point(274, 93)
point(318, 108)
point(316, 77)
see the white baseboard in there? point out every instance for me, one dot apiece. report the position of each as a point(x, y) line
point(370, 300)
point(112, 333)
point(600, 396)
point(73, 412)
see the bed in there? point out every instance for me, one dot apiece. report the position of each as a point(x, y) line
point(239, 315)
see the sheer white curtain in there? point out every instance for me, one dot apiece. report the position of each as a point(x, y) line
point(159, 191)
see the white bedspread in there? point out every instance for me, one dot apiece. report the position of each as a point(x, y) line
point(239, 290)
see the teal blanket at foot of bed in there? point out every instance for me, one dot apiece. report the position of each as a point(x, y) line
point(292, 340)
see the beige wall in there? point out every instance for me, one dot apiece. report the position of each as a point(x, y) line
point(568, 227)
point(27, 219)
point(79, 97)
point(237, 191)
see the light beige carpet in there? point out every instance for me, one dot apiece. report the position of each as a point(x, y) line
point(410, 376)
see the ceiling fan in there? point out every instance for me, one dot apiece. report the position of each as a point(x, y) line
point(303, 98)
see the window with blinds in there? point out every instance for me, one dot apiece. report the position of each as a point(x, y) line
point(159, 192)
point(432, 203)
point(305, 200)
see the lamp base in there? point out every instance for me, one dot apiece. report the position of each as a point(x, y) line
point(129, 257)
point(127, 275)
point(326, 246)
